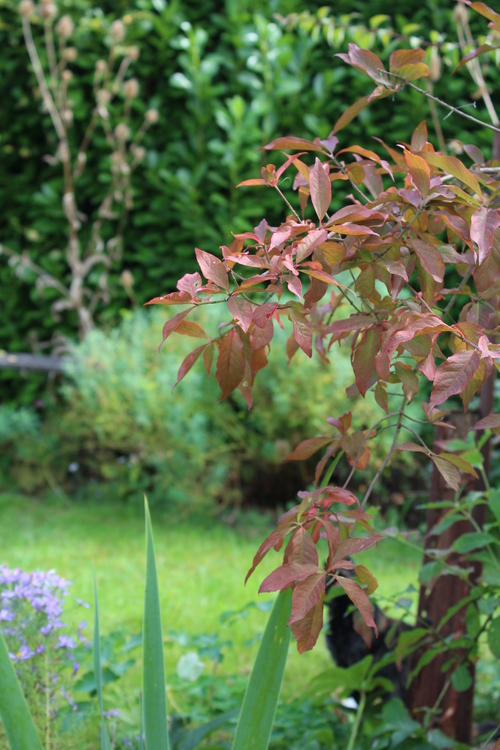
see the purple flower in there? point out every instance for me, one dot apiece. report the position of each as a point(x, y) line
point(65, 641)
point(111, 713)
point(25, 653)
point(76, 667)
point(83, 604)
point(6, 615)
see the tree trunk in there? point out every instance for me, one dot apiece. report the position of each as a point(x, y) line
point(432, 687)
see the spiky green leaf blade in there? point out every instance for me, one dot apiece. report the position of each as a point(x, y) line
point(96, 650)
point(14, 711)
point(155, 699)
point(261, 697)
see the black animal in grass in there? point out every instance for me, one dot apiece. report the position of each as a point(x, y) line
point(349, 640)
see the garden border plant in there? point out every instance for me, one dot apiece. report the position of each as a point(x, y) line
point(414, 223)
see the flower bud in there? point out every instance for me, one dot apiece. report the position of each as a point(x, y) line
point(66, 76)
point(70, 54)
point(26, 8)
point(117, 30)
point(127, 279)
point(103, 96)
point(101, 66)
point(65, 26)
point(131, 88)
point(133, 52)
point(122, 132)
point(152, 116)
point(48, 9)
point(434, 65)
point(139, 153)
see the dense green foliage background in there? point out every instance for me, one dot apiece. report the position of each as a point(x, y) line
point(226, 80)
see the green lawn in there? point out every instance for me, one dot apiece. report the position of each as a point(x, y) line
point(201, 567)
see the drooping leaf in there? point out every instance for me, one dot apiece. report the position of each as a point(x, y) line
point(409, 381)
point(188, 362)
point(360, 600)
point(302, 548)
point(275, 538)
point(212, 268)
point(174, 298)
point(208, 356)
point(453, 375)
point(453, 166)
point(230, 363)
point(460, 463)
point(171, 325)
point(354, 545)
point(366, 577)
point(285, 575)
point(14, 712)
point(403, 57)
point(302, 331)
point(354, 323)
point(307, 631)
point(241, 310)
point(448, 471)
point(491, 422)
point(307, 448)
point(430, 258)
point(306, 246)
point(293, 143)
point(363, 360)
point(482, 229)
point(189, 328)
point(481, 50)
point(420, 172)
point(487, 12)
point(382, 398)
point(321, 189)
point(306, 595)
point(261, 697)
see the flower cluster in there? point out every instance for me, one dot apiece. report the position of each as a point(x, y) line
point(31, 606)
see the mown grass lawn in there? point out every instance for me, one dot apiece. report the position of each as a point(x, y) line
point(201, 564)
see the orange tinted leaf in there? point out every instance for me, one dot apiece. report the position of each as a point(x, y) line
point(487, 12)
point(363, 360)
point(285, 575)
point(450, 473)
point(302, 331)
point(302, 549)
point(360, 600)
point(408, 380)
point(481, 50)
point(367, 578)
point(241, 310)
point(293, 143)
point(252, 182)
point(453, 166)
point(208, 356)
point(321, 189)
point(350, 113)
point(491, 422)
point(482, 228)
point(306, 631)
point(230, 363)
point(307, 246)
point(420, 172)
point(460, 463)
point(307, 595)
point(412, 72)
point(307, 448)
point(430, 258)
point(188, 362)
point(171, 325)
point(420, 137)
point(174, 298)
point(212, 268)
point(453, 375)
point(188, 328)
point(354, 323)
point(405, 57)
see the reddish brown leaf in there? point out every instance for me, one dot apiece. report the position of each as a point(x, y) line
point(292, 143)
point(174, 298)
point(188, 362)
point(460, 463)
point(452, 165)
point(171, 325)
point(412, 448)
point(482, 228)
point(350, 113)
point(263, 313)
point(481, 50)
point(188, 328)
point(360, 600)
point(420, 172)
point(365, 61)
point(367, 578)
point(306, 246)
point(307, 594)
point(487, 12)
point(321, 189)
point(208, 356)
point(409, 381)
point(353, 546)
point(491, 422)
point(354, 323)
point(260, 337)
point(430, 258)
point(420, 135)
point(450, 473)
point(212, 268)
point(307, 448)
point(302, 549)
point(382, 398)
point(252, 182)
point(405, 57)
point(453, 375)
point(230, 363)
point(341, 423)
point(241, 310)
point(285, 575)
point(306, 631)
point(363, 360)
point(488, 272)
point(302, 331)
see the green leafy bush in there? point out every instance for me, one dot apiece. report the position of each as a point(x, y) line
point(120, 427)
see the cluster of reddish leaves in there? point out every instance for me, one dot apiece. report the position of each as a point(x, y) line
point(408, 218)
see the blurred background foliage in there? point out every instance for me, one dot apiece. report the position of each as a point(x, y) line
point(225, 79)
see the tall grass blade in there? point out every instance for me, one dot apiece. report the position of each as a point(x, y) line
point(14, 711)
point(96, 648)
point(141, 728)
point(155, 698)
point(261, 697)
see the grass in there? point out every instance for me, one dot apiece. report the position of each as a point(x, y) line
point(201, 565)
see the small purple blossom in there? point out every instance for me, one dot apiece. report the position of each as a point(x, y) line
point(76, 667)
point(83, 604)
point(112, 712)
point(65, 641)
